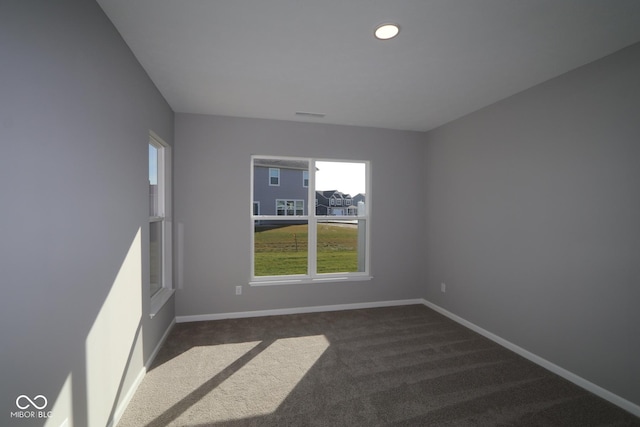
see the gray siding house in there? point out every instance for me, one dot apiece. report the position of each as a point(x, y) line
point(334, 202)
point(280, 187)
point(359, 198)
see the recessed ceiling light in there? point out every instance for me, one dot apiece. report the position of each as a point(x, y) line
point(386, 31)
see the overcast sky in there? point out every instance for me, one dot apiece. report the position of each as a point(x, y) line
point(342, 176)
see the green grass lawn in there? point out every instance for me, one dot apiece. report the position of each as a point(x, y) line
point(283, 250)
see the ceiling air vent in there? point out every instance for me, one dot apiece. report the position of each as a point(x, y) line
point(309, 114)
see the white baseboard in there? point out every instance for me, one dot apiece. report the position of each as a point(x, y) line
point(136, 383)
point(297, 310)
point(570, 376)
point(579, 381)
point(127, 398)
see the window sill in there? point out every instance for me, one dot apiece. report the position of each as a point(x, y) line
point(159, 299)
point(308, 280)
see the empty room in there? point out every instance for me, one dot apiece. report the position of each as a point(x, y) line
point(329, 213)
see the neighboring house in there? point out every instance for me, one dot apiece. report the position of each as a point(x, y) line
point(153, 198)
point(334, 202)
point(280, 187)
point(359, 198)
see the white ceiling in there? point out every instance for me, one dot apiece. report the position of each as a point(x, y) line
point(271, 58)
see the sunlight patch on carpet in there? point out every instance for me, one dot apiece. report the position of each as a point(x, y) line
point(260, 386)
point(200, 363)
point(174, 384)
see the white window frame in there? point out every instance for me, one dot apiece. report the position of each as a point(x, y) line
point(164, 215)
point(312, 221)
point(305, 179)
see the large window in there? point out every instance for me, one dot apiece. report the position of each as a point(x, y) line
point(293, 242)
point(159, 222)
point(156, 215)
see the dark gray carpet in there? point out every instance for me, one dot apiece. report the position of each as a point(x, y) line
point(400, 366)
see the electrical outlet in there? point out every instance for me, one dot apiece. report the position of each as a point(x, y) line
point(443, 287)
point(238, 290)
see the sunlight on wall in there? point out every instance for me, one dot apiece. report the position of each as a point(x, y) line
point(62, 409)
point(115, 337)
point(260, 386)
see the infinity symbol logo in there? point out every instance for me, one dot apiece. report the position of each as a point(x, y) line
point(33, 403)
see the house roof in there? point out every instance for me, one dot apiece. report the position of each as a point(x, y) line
point(282, 163)
point(329, 193)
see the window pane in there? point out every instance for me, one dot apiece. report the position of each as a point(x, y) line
point(341, 246)
point(338, 181)
point(290, 207)
point(281, 193)
point(274, 176)
point(278, 185)
point(155, 251)
point(153, 181)
point(280, 248)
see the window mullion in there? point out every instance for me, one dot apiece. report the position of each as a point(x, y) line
point(313, 244)
point(313, 227)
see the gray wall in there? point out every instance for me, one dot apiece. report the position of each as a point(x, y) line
point(528, 210)
point(213, 207)
point(533, 209)
point(75, 113)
